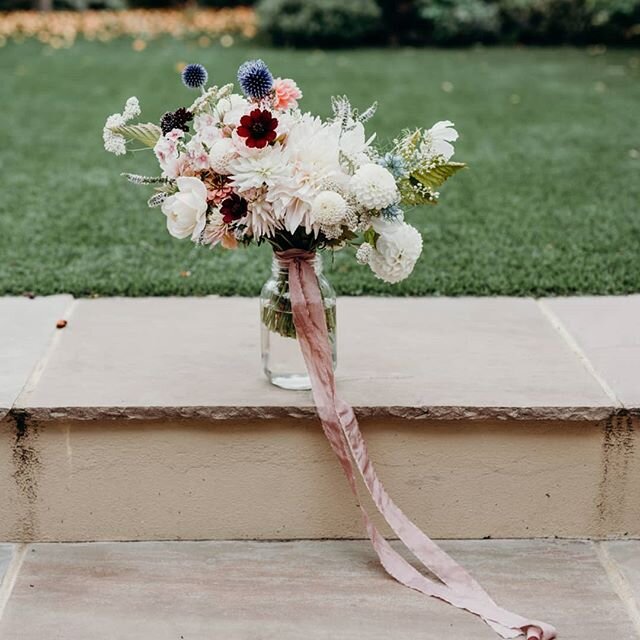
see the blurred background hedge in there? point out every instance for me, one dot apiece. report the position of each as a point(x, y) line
point(340, 23)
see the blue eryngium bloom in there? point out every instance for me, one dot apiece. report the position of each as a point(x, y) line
point(392, 212)
point(194, 76)
point(255, 79)
point(394, 164)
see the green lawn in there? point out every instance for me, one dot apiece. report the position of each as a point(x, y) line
point(550, 204)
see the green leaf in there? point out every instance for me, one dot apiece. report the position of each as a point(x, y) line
point(147, 133)
point(370, 236)
point(437, 176)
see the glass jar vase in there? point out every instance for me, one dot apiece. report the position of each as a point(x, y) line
point(282, 359)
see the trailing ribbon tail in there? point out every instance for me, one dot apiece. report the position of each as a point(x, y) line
point(341, 428)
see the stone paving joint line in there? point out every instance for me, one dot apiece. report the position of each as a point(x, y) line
point(571, 342)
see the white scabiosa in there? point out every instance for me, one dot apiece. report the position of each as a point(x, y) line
point(396, 252)
point(328, 209)
point(374, 187)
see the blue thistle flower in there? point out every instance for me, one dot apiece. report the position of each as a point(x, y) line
point(394, 164)
point(194, 76)
point(391, 212)
point(255, 79)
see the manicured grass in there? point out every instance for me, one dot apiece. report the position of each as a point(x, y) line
point(550, 204)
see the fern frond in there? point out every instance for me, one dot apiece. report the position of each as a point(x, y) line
point(438, 175)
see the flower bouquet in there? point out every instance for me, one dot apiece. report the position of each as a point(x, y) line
point(250, 168)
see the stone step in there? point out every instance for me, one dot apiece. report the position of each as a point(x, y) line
point(150, 419)
point(306, 589)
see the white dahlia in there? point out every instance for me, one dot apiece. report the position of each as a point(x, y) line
point(269, 168)
point(328, 209)
point(374, 187)
point(312, 156)
point(396, 252)
point(260, 219)
point(221, 153)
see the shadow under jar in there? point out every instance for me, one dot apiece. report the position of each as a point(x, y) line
point(282, 359)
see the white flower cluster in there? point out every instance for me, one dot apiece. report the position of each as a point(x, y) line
point(397, 250)
point(242, 168)
point(114, 142)
point(374, 187)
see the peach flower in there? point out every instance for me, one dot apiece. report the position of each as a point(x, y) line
point(287, 94)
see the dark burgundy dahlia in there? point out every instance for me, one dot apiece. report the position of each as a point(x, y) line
point(259, 128)
point(233, 208)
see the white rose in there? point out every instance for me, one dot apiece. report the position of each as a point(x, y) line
point(396, 252)
point(221, 153)
point(186, 210)
point(374, 187)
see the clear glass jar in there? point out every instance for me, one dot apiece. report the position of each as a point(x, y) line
point(282, 359)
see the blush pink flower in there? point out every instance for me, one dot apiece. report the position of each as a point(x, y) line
point(218, 188)
point(286, 93)
point(218, 194)
point(218, 232)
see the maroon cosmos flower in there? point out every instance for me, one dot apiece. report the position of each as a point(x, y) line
point(259, 128)
point(233, 208)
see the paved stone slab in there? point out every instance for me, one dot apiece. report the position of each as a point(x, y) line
point(626, 555)
point(607, 329)
point(26, 327)
point(288, 591)
point(411, 357)
point(6, 550)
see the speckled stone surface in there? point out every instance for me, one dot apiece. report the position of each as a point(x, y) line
point(6, 551)
point(607, 329)
point(626, 556)
point(26, 329)
point(293, 590)
point(464, 358)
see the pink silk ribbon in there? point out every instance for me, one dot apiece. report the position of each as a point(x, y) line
point(339, 423)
